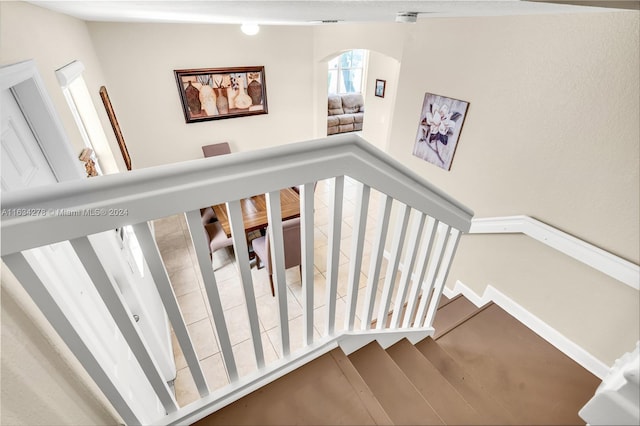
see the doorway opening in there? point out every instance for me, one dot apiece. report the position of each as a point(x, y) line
point(346, 77)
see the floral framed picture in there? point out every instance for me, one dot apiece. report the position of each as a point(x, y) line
point(217, 93)
point(439, 129)
point(380, 88)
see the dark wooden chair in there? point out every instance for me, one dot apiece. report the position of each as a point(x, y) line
point(216, 236)
point(216, 149)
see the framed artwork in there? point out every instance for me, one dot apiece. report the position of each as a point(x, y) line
point(380, 87)
point(439, 129)
point(115, 126)
point(216, 93)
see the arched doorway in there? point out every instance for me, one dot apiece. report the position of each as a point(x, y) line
point(378, 110)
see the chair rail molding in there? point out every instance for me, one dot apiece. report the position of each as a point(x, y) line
point(599, 259)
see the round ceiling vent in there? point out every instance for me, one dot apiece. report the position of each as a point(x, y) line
point(406, 16)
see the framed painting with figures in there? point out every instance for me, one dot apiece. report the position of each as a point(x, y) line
point(217, 93)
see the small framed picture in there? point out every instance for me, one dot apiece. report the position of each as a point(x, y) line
point(380, 86)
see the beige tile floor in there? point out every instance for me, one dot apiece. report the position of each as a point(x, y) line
point(174, 241)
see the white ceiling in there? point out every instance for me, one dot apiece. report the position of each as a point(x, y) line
point(293, 12)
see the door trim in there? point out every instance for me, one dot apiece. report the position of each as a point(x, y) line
point(24, 81)
point(29, 90)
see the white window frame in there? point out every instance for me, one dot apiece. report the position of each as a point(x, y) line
point(67, 75)
point(339, 69)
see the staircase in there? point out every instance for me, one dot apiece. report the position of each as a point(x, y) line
point(484, 367)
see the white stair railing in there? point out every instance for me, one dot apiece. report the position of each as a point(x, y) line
point(426, 248)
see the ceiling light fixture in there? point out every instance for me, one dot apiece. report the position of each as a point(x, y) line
point(250, 29)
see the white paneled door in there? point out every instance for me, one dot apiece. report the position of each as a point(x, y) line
point(25, 166)
point(23, 163)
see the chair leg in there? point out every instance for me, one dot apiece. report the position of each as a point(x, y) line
point(273, 290)
point(259, 264)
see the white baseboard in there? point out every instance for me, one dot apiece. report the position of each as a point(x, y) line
point(350, 342)
point(544, 330)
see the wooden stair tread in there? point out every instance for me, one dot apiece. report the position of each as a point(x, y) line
point(442, 396)
point(444, 300)
point(485, 368)
point(395, 392)
point(317, 393)
point(469, 388)
point(538, 383)
point(367, 398)
point(451, 313)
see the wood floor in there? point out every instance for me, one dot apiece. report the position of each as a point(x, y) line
point(483, 368)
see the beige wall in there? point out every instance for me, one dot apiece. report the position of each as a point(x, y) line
point(139, 60)
point(54, 40)
point(387, 39)
point(552, 128)
point(540, 140)
point(379, 111)
point(594, 311)
point(42, 383)
point(552, 132)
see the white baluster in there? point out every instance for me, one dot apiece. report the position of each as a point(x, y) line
point(199, 239)
point(425, 253)
point(357, 242)
point(276, 242)
point(58, 320)
point(168, 297)
point(242, 258)
point(377, 254)
point(306, 244)
point(394, 260)
point(442, 276)
point(434, 266)
point(412, 252)
point(333, 255)
point(124, 320)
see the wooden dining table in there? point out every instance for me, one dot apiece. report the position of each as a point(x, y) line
point(254, 211)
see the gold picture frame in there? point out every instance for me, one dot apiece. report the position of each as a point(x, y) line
point(115, 126)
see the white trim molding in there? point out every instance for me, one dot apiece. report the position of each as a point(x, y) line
point(29, 90)
point(68, 73)
point(541, 328)
point(605, 262)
